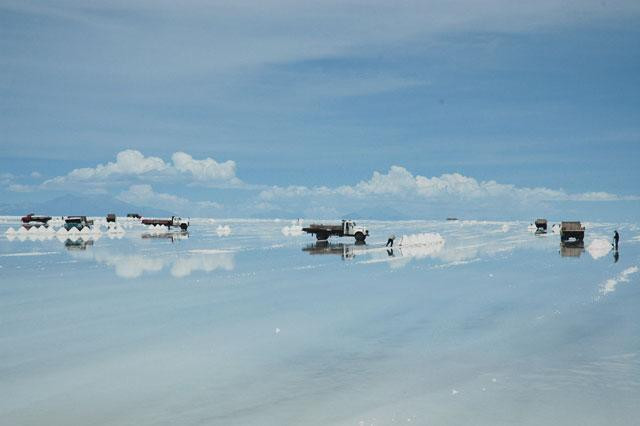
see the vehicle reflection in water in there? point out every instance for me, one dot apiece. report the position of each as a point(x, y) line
point(173, 236)
point(571, 248)
point(347, 251)
point(77, 244)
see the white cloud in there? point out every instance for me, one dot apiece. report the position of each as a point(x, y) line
point(609, 286)
point(305, 30)
point(204, 170)
point(132, 164)
point(128, 162)
point(16, 187)
point(203, 260)
point(6, 179)
point(144, 194)
point(184, 264)
point(398, 182)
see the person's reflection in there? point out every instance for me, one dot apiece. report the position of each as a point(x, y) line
point(616, 256)
point(390, 253)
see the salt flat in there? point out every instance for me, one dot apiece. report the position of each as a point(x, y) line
point(250, 322)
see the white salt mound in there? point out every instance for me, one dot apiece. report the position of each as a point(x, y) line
point(292, 231)
point(599, 248)
point(420, 245)
point(223, 231)
point(424, 239)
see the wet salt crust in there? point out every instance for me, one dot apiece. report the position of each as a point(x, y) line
point(462, 322)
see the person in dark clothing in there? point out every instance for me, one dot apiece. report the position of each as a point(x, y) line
point(616, 238)
point(390, 240)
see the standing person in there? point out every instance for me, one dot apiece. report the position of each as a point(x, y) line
point(616, 238)
point(390, 240)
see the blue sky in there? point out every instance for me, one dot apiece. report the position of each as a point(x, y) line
point(307, 95)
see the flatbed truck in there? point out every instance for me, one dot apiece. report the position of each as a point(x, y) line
point(347, 228)
point(175, 222)
point(570, 230)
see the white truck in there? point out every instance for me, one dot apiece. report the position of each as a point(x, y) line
point(175, 222)
point(347, 228)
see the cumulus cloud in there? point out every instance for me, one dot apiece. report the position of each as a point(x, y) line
point(204, 170)
point(398, 182)
point(133, 164)
point(128, 163)
point(144, 194)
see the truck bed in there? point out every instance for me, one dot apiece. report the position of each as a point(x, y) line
point(164, 222)
point(315, 227)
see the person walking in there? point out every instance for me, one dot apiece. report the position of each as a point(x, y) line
point(390, 240)
point(616, 238)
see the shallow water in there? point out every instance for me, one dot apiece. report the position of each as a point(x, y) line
point(494, 326)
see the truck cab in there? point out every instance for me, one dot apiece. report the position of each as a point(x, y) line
point(77, 222)
point(351, 229)
point(179, 223)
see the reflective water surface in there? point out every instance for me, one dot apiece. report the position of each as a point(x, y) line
point(241, 322)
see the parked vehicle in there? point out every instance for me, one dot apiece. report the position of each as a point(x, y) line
point(134, 215)
point(175, 222)
point(31, 217)
point(78, 222)
point(569, 230)
point(347, 228)
point(541, 225)
point(111, 217)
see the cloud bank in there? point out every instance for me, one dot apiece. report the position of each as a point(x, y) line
point(399, 183)
point(396, 193)
point(132, 164)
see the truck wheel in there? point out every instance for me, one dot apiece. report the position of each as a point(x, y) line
point(322, 236)
point(360, 236)
point(184, 226)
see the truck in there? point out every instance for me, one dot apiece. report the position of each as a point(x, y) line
point(541, 225)
point(111, 218)
point(573, 229)
point(78, 222)
point(175, 222)
point(31, 217)
point(347, 228)
point(134, 216)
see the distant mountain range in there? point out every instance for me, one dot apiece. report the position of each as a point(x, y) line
point(86, 205)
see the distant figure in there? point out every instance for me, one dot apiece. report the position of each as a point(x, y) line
point(390, 240)
point(616, 238)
